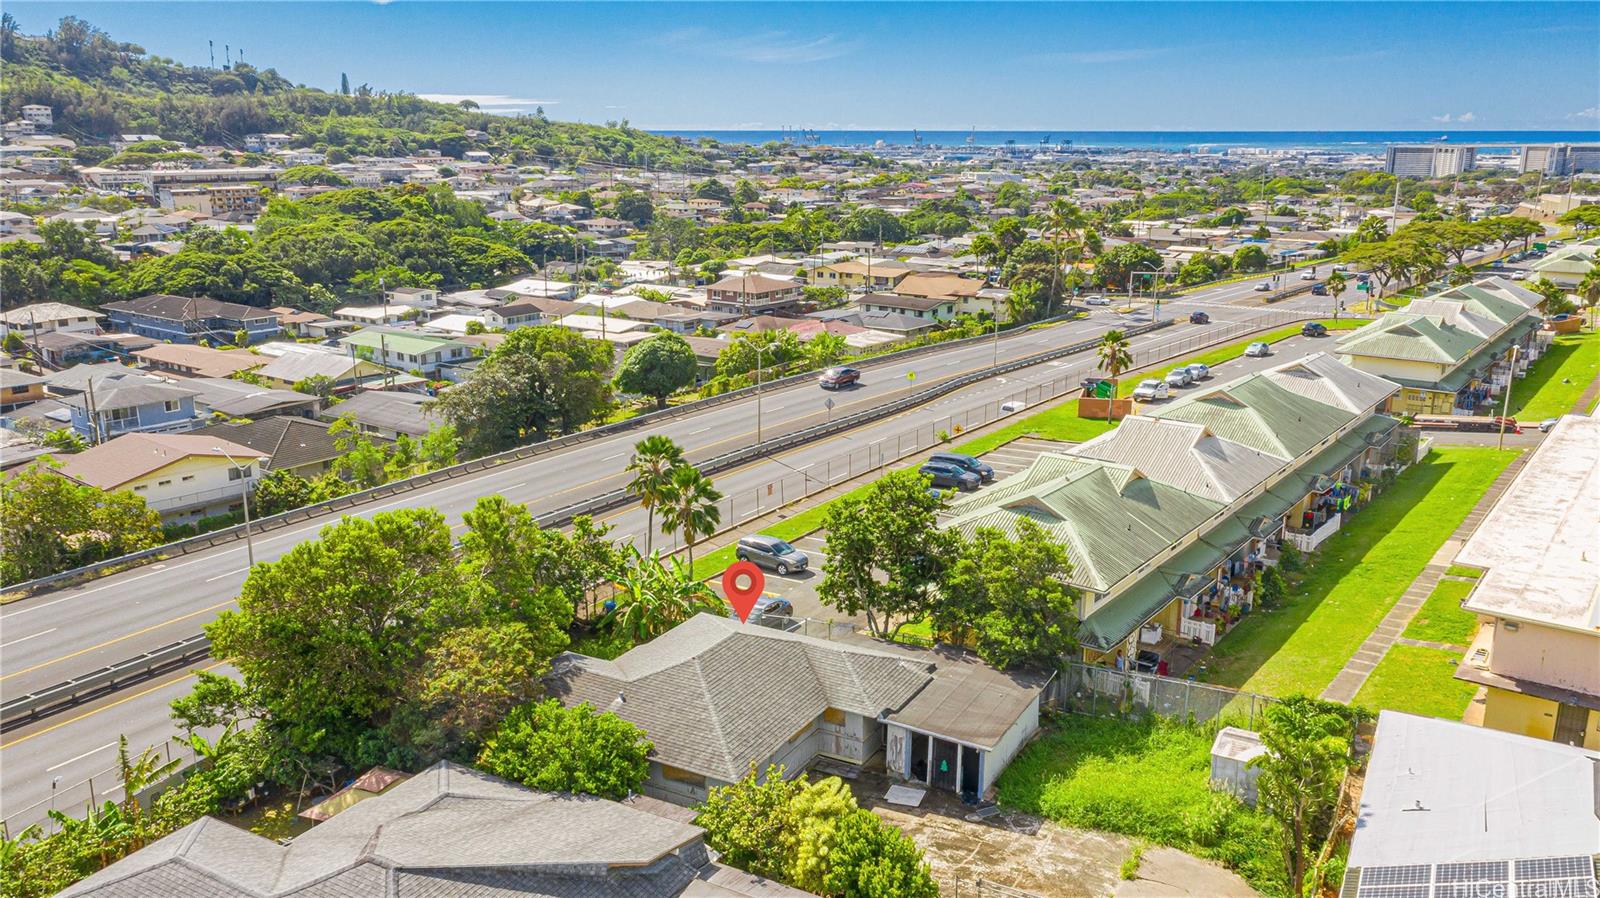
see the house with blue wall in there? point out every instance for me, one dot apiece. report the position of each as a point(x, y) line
point(126, 405)
point(184, 319)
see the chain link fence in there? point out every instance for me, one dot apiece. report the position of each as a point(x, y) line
point(1105, 692)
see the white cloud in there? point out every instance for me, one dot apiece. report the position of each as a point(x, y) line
point(762, 47)
point(1447, 118)
point(1593, 112)
point(492, 102)
point(1466, 117)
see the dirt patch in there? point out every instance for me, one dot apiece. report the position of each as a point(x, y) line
point(1170, 873)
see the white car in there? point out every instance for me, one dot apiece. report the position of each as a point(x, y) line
point(1308, 275)
point(1548, 424)
point(1258, 350)
point(1519, 275)
point(1015, 405)
point(1151, 390)
point(1096, 300)
point(1263, 287)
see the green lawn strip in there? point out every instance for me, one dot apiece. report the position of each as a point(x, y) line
point(1461, 570)
point(1441, 618)
point(1150, 780)
point(1418, 680)
point(1356, 577)
point(1557, 380)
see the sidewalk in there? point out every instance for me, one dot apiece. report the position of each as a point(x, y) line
point(1349, 681)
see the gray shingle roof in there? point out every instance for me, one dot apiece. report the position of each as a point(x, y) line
point(290, 442)
point(704, 690)
point(448, 831)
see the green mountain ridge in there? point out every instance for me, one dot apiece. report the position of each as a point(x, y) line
point(99, 87)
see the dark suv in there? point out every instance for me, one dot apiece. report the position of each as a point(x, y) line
point(1313, 329)
point(834, 378)
point(1199, 318)
point(944, 474)
point(965, 463)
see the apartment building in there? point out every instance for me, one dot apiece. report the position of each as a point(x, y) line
point(1429, 160)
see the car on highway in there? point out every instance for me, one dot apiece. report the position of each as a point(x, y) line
point(1258, 350)
point(1199, 318)
point(1555, 244)
point(834, 378)
point(1096, 300)
point(1262, 287)
point(949, 475)
point(1319, 289)
point(771, 552)
point(1198, 370)
point(1341, 268)
point(1308, 275)
point(1179, 377)
point(1151, 390)
point(964, 462)
point(1313, 329)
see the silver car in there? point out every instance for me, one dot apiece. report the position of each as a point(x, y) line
point(771, 552)
point(1179, 377)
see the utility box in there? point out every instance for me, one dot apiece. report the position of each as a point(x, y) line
point(1231, 754)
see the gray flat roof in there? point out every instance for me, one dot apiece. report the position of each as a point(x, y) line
point(968, 701)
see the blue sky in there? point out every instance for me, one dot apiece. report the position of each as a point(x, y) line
point(1059, 66)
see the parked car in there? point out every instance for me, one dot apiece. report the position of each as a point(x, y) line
point(1313, 329)
point(1556, 243)
point(1362, 277)
point(1198, 371)
point(1258, 350)
point(1548, 424)
point(1012, 405)
point(834, 378)
point(1179, 377)
point(1151, 390)
point(771, 552)
point(1319, 289)
point(1519, 275)
point(1199, 318)
point(1263, 287)
point(1096, 300)
point(965, 463)
point(949, 475)
point(771, 611)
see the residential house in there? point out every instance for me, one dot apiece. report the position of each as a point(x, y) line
point(860, 274)
point(910, 306)
point(187, 360)
point(297, 445)
point(372, 316)
point(753, 295)
point(1566, 266)
point(221, 397)
point(126, 405)
point(405, 350)
point(415, 297)
point(49, 318)
point(385, 413)
point(966, 294)
point(1537, 656)
point(716, 696)
point(1452, 352)
point(1168, 518)
point(706, 350)
point(526, 312)
point(184, 477)
point(299, 363)
point(449, 830)
point(297, 322)
point(1450, 809)
point(67, 349)
point(267, 143)
point(20, 388)
point(544, 287)
point(182, 319)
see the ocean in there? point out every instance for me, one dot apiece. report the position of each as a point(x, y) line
point(1351, 141)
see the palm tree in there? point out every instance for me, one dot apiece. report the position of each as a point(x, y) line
point(654, 459)
point(657, 596)
point(689, 504)
point(1589, 292)
point(138, 774)
point(1062, 219)
point(1114, 358)
point(1336, 287)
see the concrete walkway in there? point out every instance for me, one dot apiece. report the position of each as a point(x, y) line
point(1345, 686)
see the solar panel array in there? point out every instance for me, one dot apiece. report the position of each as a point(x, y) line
point(1544, 877)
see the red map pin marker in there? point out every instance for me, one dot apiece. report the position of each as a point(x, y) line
point(743, 597)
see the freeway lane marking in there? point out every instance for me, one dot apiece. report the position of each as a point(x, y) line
point(26, 638)
point(79, 757)
point(228, 574)
point(102, 645)
point(120, 701)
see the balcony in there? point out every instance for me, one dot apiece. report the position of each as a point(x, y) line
point(1307, 541)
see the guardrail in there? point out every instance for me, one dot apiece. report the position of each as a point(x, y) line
point(79, 689)
point(521, 453)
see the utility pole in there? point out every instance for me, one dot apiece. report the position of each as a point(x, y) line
point(1394, 211)
point(1505, 407)
point(244, 493)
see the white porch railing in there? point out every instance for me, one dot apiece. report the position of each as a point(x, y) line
point(1203, 630)
point(1306, 542)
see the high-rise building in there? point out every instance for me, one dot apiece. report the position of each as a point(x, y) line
point(1561, 158)
point(1429, 160)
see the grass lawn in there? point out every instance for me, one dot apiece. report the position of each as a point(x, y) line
point(1441, 618)
point(1150, 780)
point(1356, 577)
point(1461, 570)
point(1573, 358)
point(1418, 680)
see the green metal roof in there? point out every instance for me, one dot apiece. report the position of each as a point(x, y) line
point(1260, 414)
point(413, 344)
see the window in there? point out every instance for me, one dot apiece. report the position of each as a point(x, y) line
point(239, 473)
point(678, 775)
point(163, 483)
point(171, 405)
point(122, 414)
point(139, 488)
point(188, 477)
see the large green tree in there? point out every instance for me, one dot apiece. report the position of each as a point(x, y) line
point(551, 748)
point(49, 523)
point(1113, 267)
point(1010, 597)
point(657, 367)
point(885, 552)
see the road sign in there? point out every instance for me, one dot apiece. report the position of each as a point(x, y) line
point(829, 403)
point(911, 375)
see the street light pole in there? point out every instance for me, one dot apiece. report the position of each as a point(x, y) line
point(1505, 407)
point(244, 470)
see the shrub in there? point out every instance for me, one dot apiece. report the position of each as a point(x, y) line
point(557, 749)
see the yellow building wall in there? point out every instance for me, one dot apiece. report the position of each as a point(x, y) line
point(1513, 712)
point(1421, 402)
